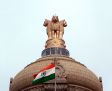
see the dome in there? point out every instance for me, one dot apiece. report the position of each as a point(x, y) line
point(70, 75)
point(75, 73)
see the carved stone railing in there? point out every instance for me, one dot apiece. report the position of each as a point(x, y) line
point(59, 87)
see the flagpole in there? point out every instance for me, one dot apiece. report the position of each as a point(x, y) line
point(55, 83)
point(55, 74)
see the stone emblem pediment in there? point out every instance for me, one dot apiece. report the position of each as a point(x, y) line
point(60, 74)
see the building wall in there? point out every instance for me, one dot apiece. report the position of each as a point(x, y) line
point(59, 87)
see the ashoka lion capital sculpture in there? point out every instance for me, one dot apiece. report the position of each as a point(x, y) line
point(55, 28)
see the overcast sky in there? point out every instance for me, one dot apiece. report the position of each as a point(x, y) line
point(88, 35)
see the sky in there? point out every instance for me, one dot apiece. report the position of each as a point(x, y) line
point(88, 35)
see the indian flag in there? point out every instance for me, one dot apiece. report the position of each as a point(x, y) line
point(44, 75)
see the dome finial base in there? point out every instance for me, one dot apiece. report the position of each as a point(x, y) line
point(55, 43)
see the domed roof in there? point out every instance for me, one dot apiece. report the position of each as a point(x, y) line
point(76, 73)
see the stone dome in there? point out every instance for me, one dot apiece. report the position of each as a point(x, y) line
point(75, 72)
point(70, 75)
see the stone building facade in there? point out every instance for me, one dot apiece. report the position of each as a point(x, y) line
point(71, 75)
